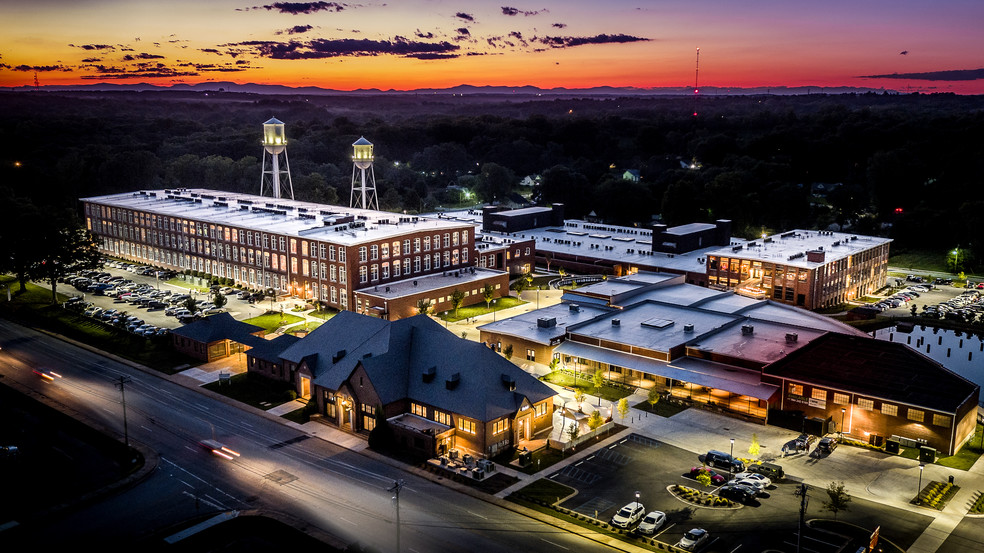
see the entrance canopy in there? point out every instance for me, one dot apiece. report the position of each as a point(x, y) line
point(691, 370)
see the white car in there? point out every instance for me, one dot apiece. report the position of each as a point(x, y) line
point(693, 539)
point(628, 515)
point(653, 521)
point(758, 480)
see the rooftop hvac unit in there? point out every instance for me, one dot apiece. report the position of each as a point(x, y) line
point(688, 327)
point(453, 381)
point(575, 308)
point(509, 382)
point(747, 329)
point(791, 336)
point(429, 373)
point(616, 322)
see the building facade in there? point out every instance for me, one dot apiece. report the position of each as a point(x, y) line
point(810, 269)
point(285, 247)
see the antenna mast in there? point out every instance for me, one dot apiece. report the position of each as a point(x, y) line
point(696, 75)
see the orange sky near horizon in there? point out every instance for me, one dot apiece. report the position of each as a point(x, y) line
point(904, 45)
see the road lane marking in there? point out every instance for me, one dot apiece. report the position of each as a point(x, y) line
point(555, 544)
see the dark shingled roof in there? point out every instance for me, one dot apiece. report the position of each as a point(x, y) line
point(220, 326)
point(878, 369)
point(396, 355)
point(270, 350)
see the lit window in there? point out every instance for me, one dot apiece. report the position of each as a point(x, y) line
point(866, 404)
point(466, 425)
point(941, 420)
point(819, 394)
point(842, 399)
point(889, 409)
point(915, 415)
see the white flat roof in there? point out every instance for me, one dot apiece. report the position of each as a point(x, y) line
point(789, 248)
point(277, 215)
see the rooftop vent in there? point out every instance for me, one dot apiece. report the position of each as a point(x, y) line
point(747, 329)
point(453, 381)
point(689, 327)
point(509, 382)
point(575, 308)
point(616, 322)
point(429, 373)
point(791, 336)
point(546, 322)
point(339, 355)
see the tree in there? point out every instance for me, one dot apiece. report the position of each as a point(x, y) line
point(599, 377)
point(494, 183)
point(623, 408)
point(457, 297)
point(704, 478)
point(755, 448)
point(653, 398)
point(508, 351)
point(578, 397)
point(573, 431)
point(488, 293)
point(595, 420)
point(191, 304)
point(838, 499)
point(423, 306)
point(219, 299)
point(65, 248)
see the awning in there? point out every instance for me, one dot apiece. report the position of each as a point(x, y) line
point(694, 371)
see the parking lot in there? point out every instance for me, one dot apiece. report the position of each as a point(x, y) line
point(610, 478)
point(933, 300)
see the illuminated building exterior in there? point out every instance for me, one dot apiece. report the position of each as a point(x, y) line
point(806, 268)
point(294, 248)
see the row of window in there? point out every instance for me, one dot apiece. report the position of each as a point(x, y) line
point(890, 409)
point(384, 250)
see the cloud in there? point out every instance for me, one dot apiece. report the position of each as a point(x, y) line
point(465, 16)
point(948, 75)
point(295, 30)
point(297, 8)
point(331, 48)
point(514, 11)
point(463, 31)
point(94, 46)
point(421, 34)
point(571, 41)
point(559, 25)
point(142, 56)
point(40, 68)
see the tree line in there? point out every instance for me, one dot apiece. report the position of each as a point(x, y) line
point(906, 166)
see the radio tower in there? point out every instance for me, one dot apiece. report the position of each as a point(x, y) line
point(37, 86)
point(696, 75)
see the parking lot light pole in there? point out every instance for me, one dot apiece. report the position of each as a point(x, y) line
point(637, 498)
point(731, 465)
point(919, 489)
point(843, 412)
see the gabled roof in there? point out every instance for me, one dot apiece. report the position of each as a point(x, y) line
point(416, 358)
point(876, 369)
point(220, 326)
point(270, 350)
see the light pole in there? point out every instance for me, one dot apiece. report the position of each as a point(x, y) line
point(843, 412)
point(637, 497)
point(919, 489)
point(731, 464)
point(397, 486)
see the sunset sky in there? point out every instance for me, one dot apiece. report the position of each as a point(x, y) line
point(905, 45)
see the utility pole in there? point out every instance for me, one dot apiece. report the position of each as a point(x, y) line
point(124, 380)
point(803, 501)
point(397, 486)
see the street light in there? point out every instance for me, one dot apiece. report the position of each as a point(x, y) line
point(843, 412)
point(730, 465)
point(637, 497)
point(397, 486)
point(919, 489)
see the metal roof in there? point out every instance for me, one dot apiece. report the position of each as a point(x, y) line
point(789, 248)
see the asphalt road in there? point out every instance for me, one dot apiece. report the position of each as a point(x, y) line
point(280, 468)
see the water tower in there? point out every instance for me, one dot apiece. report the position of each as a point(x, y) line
point(275, 144)
point(363, 179)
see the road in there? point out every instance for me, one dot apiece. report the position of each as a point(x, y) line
point(280, 468)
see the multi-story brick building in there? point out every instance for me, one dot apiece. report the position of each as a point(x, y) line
point(287, 247)
point(806, 268)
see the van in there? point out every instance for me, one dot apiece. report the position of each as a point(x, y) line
point(721, 460)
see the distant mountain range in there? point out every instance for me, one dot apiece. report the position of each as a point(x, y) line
point(252, 88)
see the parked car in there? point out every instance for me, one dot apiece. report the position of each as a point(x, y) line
point(760, 481)
point(739, 493)
point(804, 441)
point(628, 515)
point(773, 471)
point(715, 477)
point(693, 539)
point(653, 521)
point(827, 445)
point(722, 460)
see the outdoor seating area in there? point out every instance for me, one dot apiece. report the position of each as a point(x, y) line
point(464, 464)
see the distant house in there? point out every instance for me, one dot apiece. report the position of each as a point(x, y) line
point(438, 391)
point(631, 175)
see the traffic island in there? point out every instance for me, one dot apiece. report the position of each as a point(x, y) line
point(936, 495)
point(699, 498)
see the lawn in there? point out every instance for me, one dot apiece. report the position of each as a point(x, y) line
point(272, 320)
point(479, 309)
point(545, 490)
point(608, 391)
point(662, 408)
point(253, 389)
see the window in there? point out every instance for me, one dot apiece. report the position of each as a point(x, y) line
point(889, 409)
point(374, 274)
point(363, 254)
point(530, 355)
point(385, 250)
point(915, 415)
point(374, 252)
point(363, 275)
point(447, 239)
point(541, 409)
point(368, 422)
point(819, 394)
point(416, 245)
point(443, 418)
point(866, 404)
point(466, 425)
point(418, 409)
point(500, 426)
point(941, 420)
point(427, 243)
point(842, 399)
point(796, 389)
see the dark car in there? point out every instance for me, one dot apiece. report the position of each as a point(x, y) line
point(772, 470)
point(740, 493)
point(804, 441)
point(827, 445)
point(721, 460)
